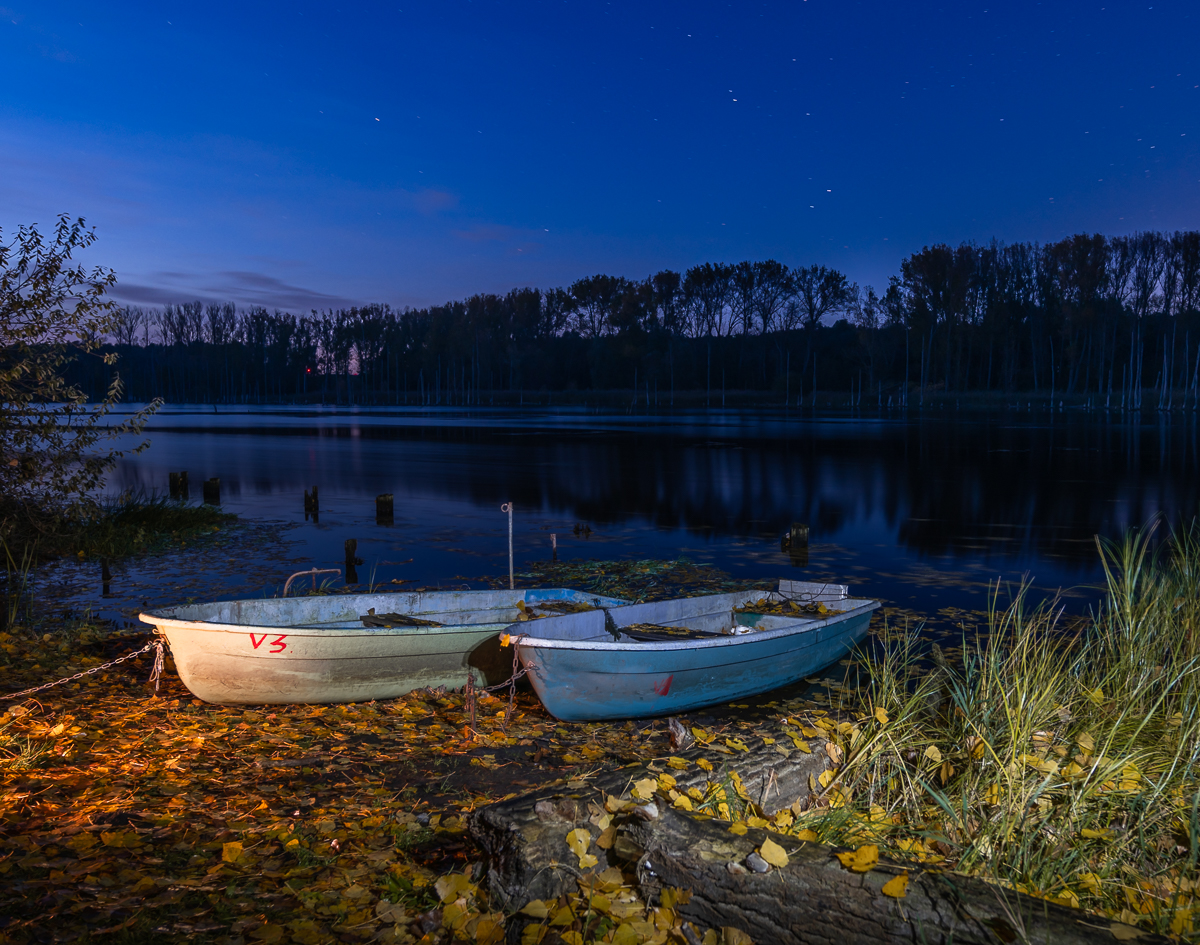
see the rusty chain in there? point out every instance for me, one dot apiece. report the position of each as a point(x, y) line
point(158, 663)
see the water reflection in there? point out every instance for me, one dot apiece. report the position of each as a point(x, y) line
point(892, 503)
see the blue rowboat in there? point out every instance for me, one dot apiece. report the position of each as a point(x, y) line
point(671, 656)
point(351, 647)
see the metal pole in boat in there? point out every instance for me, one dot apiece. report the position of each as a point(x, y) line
point(507, 507)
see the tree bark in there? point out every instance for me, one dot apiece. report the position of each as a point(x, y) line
point(813, 900)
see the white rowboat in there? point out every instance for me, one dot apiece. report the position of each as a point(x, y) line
point(350, 647)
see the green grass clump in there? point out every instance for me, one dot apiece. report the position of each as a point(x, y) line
point(132, 525)
point(109, 528)
point(1058, 758)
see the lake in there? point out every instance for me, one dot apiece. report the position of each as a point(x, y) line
point(923, 512)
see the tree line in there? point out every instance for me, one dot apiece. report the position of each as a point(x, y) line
point(1115, 319)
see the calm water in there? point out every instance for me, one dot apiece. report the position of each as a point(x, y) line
point(921, 512)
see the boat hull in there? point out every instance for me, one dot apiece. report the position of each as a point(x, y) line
point(590, 680)
point(308, 650)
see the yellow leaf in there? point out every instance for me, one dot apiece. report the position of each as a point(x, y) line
point(773, 853)
point(451, 887)
point(759, 822)
point(673, 896)
point(291, 844)
point(678, 764)
point(572, 937)
point(624, 935)
point(231, 851)
point(800, 743)
point(825, 778)
point(809, 835)
point(1097, 696)
point(644, 789)
point(704, 763)
point(737, 744)
point(587, 861)
point(934, 754)
point(607, 837)
point(860, 860)
point(579, 840)
point(881, 715)
point(665, 781)
point(732, 936)
point(1086, 742)
point(975, 747)
point(702, 736)
point(601, 904)
point(738, 828)
point(1089, 834)
point(1124, 933)
point(683, 802)
point(1090, 882)
point(896, 887)
point(536, 909)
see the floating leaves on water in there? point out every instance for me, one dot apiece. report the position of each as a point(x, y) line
point(896, 887)
point(860, 860)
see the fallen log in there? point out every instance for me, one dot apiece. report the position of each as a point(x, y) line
point(812, 899)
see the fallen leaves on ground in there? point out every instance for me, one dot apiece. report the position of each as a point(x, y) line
point(123, 811)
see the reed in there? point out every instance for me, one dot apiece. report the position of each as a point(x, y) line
point(1054, 756)
point(129, 524)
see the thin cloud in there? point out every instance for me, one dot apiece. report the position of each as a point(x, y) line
point(239, 286)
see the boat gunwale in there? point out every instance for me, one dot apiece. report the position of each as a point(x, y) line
point(717, 640)
point(162, 624)
point(162, 621)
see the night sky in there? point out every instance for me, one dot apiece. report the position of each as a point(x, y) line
point(305, 156)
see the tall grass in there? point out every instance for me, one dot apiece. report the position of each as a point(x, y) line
point(1055, 756)
point(110, 528)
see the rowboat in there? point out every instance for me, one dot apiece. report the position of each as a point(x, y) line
point(670, 656)
point(352, 648)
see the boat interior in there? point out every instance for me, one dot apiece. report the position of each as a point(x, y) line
point(419, 610)
point(697, 618)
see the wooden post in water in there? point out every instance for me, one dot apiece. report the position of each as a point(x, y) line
point(795, 543)
point(352, 560)
point(177, 485)
point(212, 491)
point(384, 509)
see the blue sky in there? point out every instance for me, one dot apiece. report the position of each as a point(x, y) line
point(305, 155)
